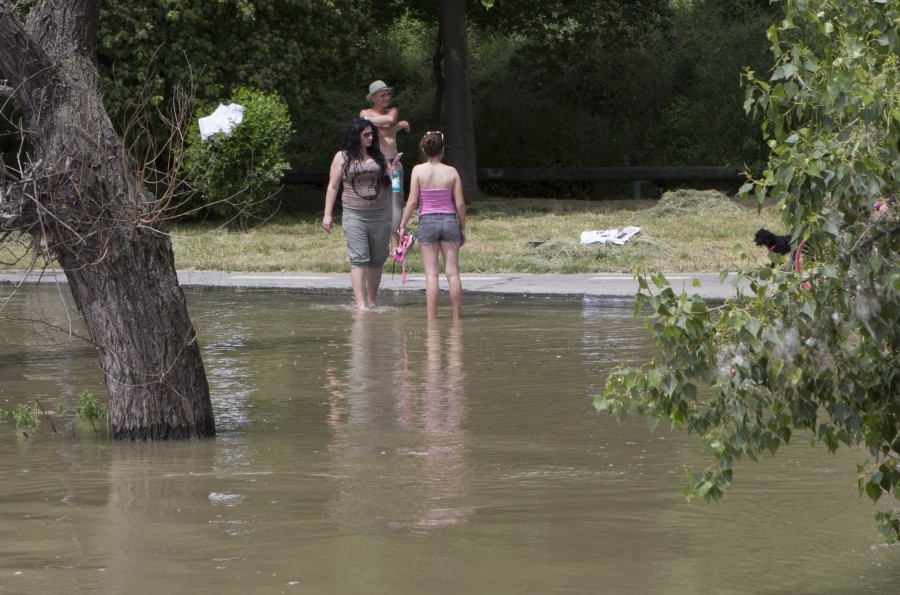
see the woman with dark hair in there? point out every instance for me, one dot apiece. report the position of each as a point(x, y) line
point(362, 169)
point(436, 189)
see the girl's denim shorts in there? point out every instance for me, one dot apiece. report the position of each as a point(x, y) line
point(438, 227)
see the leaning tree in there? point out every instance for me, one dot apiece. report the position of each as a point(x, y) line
point(78, 194)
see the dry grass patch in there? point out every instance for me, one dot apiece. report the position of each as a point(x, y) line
point(684, 231)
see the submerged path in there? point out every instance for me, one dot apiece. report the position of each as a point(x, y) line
point(618, 285)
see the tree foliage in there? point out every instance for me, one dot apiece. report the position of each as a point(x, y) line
point(815, 351)
point(294, 48)
point(638, 82)
point(655, 82)
point(287, 46)
point(657, 85)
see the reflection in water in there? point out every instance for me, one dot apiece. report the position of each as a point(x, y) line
point(228, 367)
point(154, 489)
point(44, 348)
point(442, 402)
point(355, 448)
point(373, 493)
point(399, 446)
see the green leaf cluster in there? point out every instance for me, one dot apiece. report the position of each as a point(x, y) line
point(655, 80)
point(817, 350)
point(89, 408)
point(26, 417)
point(240, 171)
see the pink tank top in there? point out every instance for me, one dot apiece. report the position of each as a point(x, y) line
point(433, 201)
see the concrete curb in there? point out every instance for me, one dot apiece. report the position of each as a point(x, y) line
point(601, 284)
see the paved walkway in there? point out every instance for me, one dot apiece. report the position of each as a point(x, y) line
point(605, 284)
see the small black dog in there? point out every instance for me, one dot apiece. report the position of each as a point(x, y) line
point(775, 243)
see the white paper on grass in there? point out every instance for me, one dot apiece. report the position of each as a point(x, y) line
point(612, 236)
point(223, 119)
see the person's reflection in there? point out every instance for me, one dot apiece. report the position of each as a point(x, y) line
point(443, 415)
point(370, 456)
point(398, 448)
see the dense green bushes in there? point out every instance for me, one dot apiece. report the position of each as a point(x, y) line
point(671, 97)
point(295, 49)
point(238, 172)
point(657, 84)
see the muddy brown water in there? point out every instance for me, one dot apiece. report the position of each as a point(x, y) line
point(371, 453)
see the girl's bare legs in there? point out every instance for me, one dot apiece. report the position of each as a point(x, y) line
point(450, 253)
point(429, 255)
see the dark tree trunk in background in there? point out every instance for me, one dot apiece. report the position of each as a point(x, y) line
point(460, 133)
point(438, 71)
point(83, 195)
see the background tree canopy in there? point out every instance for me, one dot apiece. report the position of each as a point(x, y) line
point(561, 83)
point(295, 48)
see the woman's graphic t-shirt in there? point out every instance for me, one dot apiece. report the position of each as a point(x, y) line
point(364, 188)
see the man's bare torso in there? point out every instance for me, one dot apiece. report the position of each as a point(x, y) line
point(387, 133)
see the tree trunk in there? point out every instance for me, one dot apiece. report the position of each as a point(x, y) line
point(83, 195)
point(438, 71)
point(460, 125)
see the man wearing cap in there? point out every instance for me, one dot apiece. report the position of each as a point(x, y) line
point(385, 118)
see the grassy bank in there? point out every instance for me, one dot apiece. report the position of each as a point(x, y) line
point(685, 231)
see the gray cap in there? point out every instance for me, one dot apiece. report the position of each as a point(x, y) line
point(375, 88)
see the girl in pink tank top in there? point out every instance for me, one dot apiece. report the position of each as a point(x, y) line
point(436, 201)
point(436, 190)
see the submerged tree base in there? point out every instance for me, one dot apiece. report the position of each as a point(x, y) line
point(162, 432)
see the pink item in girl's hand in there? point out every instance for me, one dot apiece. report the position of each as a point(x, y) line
point(406, 242)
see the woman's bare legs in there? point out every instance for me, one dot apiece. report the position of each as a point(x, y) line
point(365, 283)
point(358, 277)
point(373, 281)
point(450, 252)
point(429, 255)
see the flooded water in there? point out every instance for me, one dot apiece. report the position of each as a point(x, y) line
point(371, 453)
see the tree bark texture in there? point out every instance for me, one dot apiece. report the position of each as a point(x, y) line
point(82, 194)
point(458, 97)
point(437, 70)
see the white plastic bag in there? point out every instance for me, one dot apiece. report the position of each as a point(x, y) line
point(613, 236)
point(223, 119)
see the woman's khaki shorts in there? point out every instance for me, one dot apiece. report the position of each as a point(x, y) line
point(368, 236)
